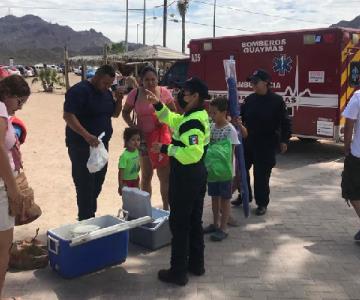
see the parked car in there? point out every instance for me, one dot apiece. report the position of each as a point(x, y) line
point(21, 69)
point(54, 67)
point(13, 70)
point(29, 72)
point(38, 67)
point(3, 72)
point(90, 73)
point(34, 70)
point(78, 70)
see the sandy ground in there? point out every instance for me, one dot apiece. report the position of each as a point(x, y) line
point(48, 167)
point(301, 249)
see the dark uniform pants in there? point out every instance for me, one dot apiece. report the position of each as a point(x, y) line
point(262, 158)
point(187, 187)
point(88, 185)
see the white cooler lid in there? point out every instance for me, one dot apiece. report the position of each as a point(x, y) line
point(136, 202)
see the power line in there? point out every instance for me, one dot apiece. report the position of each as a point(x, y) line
point(62, 8)
point(210, 25)
point(257, 13)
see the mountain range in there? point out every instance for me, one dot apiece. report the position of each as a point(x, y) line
point(30, 39)
point(355, 23)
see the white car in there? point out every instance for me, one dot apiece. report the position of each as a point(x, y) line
point(29, 72)
point(54, 67)
point(78, 70)
point(13, 70)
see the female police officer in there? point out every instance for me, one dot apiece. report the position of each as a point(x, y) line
point(187, 184)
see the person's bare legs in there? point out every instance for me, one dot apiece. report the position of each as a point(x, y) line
point(225, 213)
point(163, 175)
point(216, 210)
point(6, 238)
point(146, 174)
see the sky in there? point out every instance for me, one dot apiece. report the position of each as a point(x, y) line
point(233, 17)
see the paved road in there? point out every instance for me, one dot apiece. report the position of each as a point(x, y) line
point(302, 248)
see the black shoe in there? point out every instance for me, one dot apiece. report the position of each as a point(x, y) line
point(169, 276)
point(210, 228)
point(237, 201)
point(197, 271)
point(260, 211)
point(357, 236)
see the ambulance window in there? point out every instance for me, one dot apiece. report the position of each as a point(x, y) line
point(355, 38)
point(208, 46)
point(309, 39)
point(354, 74)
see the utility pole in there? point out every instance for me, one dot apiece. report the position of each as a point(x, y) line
point(127, 23)
point(137, 33)
point(144, 26)
point(66, 68)
point(127, 26)
point(105, 54)
point(214, 18)
point(164, 23)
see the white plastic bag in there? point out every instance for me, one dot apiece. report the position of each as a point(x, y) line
point(98, 156)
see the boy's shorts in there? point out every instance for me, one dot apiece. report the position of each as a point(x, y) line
point(220, 189)
point(131, 183)
point(350, 183)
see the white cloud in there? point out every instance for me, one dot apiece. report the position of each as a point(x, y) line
point(253, 16)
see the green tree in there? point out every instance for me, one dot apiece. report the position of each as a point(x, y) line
point(49, 78)
point(182, 6)
point(117, 48)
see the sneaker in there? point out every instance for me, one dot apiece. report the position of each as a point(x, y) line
point(169, 276)
point(197, 271)
point(210, 228)
point(357, 236)
point(237, 201)
point(260, 211)
point(218, 235)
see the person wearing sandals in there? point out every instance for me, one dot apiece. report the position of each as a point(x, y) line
point(14, 92)
point(350, 183)
point(223, 139)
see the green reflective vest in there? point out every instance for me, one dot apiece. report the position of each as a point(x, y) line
point(191, 133)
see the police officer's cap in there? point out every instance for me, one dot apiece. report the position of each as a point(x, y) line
point(196, 85)
point(259, 75)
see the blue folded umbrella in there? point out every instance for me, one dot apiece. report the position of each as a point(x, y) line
point(234, 110)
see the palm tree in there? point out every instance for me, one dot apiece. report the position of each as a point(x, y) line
point(182, 6)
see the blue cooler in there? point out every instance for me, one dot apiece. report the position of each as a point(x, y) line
point(74, 252)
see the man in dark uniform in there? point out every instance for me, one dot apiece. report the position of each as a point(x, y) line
point(265, 116)
point(187, 184)
point(88, 109)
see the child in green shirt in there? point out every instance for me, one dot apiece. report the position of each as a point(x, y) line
point(129, 161)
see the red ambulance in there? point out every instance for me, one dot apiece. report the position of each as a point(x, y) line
point(315, 70)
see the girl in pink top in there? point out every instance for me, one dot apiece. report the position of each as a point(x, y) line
point(14, 91)
point(147, 122)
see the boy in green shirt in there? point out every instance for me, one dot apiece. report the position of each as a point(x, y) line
point(129, 161)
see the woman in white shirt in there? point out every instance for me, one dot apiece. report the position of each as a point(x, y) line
point(14, 92)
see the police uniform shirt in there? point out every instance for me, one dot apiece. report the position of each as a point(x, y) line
point(266, 119)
